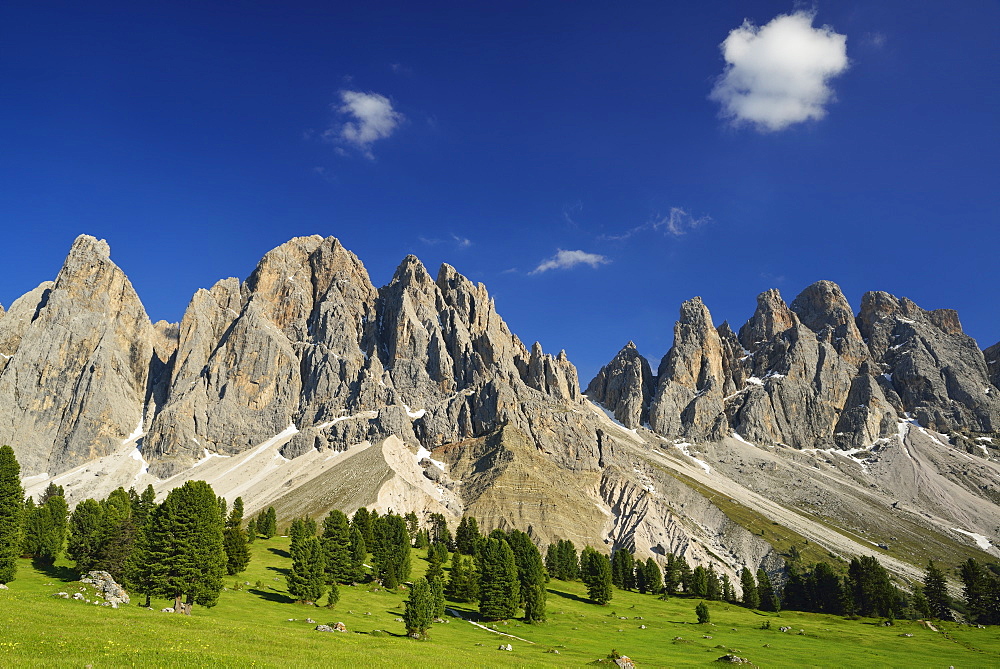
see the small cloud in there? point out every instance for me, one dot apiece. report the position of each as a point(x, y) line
point(568, 259)
point(570, 210)
point(678, 222)
point(458, 242)
point(325, 174)
point(399, 68)
point(778, 74)
point(371, 118)
point(875, 39)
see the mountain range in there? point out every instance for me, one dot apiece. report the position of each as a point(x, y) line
point(306, 388)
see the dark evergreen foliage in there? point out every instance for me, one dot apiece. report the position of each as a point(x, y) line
point(652, 576)
point(936, 592)
point(357, 572)
point(703, 614)
point(467, 535)
point(337, 547)
point(461, 585)
point(751, 597)
point(235, 540)
point(869, 590)
point(84, 544)
point(981, 591)
point(498, 581)
point(418, 613)
point(306, 579)
point(11, 510)
point(391, 550)
point(362, 521)
point(768, 596)
point(595, 572)
point(185, 550)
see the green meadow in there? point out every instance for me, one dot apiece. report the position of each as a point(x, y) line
point(258, 625)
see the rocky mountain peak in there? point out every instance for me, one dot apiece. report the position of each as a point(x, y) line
point(771, 318)
point(624, 386)
point(823, 309)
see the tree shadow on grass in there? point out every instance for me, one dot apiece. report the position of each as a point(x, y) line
point(60, 572)
point(281, 570)
point(280, 553)
point(569, 595)
point(272, 595)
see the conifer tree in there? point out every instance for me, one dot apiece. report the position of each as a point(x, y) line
point(412, 525)
point(186, 553)
point(569, 563)
point(45, 527)
point(728, 593)
point(139, 572)
point(84, 546)
point(498, 581)
point(652, 576)
point(359, 553)
point(332, 595)
point(461, 585)
point(552, 560)
point(270, 527)
point(713, 589)
point(869, 588)
point(306, 580)
point(595, 571)
point(751, 597)
point(684, 574)
point(235, 540)
point(116, 536)
point(768, 596)
point(391, 551)
point(251, 530)
point(419, 609)
point(671, 577)
point(699, 582)
point(828, 592)
point(467, 535)
point(531, 575)
point(11, 510)
point(703, 614)
point(362, 521)
point(936, 592)
point(51, 490)
point(435, 578)
point(337, 546)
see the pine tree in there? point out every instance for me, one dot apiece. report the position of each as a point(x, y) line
point(498, 581)
point(306, 580)
point(435, 578)
point(139, 571)
point(419, 609)
point(332, 595)
point(270, 523)
point(671, 577)
point(713, 589)
point(186, 553)
point(251, 530)
point(461, 586)
point(362, 521)
point(84, 546)
point(595, 571)
point(768, 596)
point(623, 569)
point(703, 614)
point(440, 534)
point(51, 490)
point(652, 576)
point(235, 540)
point(751, 597)
point(684, 574)
point(699, 582)
point(337, 546)
point(391, 551)
point(531, 576)
point(11, 509)
point(467, 535)
point(44, 527)
point(412, 525)
point(359, 553)
point(936, 592)
point(828, 591)
point(869, 588)
point(728, 593)
point(116, 535)
point(569, 563)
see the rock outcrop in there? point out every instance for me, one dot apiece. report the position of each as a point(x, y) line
point(624, 386)
point(74, 381)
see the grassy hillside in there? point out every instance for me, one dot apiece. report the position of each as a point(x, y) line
point(260, 626)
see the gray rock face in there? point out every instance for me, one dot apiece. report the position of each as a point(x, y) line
point(813, 375)
point(938, 371)
point(691, 379)
point(74, 386)
point(992, 357)
point(624, 386)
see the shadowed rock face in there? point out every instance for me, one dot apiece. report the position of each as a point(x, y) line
point(77, 355)
point(813, 375)
point(624, 386)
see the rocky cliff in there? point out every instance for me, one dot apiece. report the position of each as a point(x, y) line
point(306, 387)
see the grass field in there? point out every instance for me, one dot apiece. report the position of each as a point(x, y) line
point(260, 626)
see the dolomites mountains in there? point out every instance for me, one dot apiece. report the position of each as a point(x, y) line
point(307, 388)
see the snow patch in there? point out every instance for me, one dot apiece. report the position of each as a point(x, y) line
point(614, 420)
point(980, 540)
point(134, 437)
point(364, 414)
point(683, 448)
point(424, 453)
point(419, 413)
point(755, 381)
point(205, 458)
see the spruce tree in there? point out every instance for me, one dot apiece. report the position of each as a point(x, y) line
point(460, 587)
point(337, 546)
point(359, 553)
point(595, 571)
point(552, 561)
point(84, 546)
point(713, 589)
point(11, 509)
point(270, 523)
point(498, 581)
point(728, 593)
point(116, 536)
point(768, 596)
point(51, 490)
point(652, 576)
point(751, 597)
point(684, 574)
point(467, 535)
point(139, 572)
point(569, 563)
point(235, 540)
point(306, 579)
point(936, 592)
point(185, 551)
point(332, 595)
point(391, 551)
point(981, 591)
point(671, 577)
point(362, 521)
point(251, 530)
point(531, 575)
point(872, 592)
point(827, 589)
point(704, 617)
point(435, 578)
point(699, 582)
point(418, 611)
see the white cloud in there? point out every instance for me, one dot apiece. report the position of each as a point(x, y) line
point(678, 222)
point(567, 259)
point(372, 118)
point(458, 242)
point(778, 74)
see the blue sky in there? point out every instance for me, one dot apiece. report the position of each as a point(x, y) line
point(850, 141)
